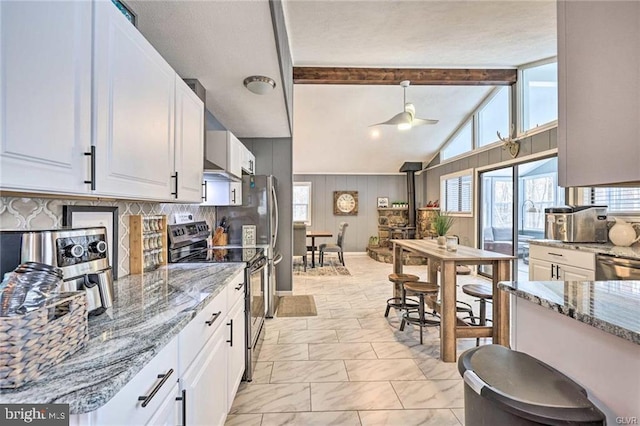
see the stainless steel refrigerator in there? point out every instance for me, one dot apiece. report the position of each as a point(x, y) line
point(259, 208)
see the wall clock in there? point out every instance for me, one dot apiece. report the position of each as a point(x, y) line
point(345, 203)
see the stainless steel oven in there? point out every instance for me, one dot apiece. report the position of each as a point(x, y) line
point(256, 280)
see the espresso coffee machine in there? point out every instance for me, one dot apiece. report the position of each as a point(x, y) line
point(81, 254)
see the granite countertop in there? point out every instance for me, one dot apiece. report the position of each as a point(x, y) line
point(611, 306)
point(148, 311)
point(632, 252)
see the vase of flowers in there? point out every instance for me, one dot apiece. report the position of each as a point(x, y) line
point(442, 224)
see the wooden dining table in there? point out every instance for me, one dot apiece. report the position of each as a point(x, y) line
point(451, 327)
point(313, 235)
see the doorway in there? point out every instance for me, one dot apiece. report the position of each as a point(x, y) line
point(512, 203)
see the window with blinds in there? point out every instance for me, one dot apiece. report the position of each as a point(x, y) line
point(302, 202)
point(618, 200)
point(456, 193)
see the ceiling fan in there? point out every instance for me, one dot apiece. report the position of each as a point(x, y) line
point(407, 118)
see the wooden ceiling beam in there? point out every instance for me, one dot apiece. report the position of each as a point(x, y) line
point(417, 76)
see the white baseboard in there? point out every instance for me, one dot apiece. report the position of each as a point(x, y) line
point(284, 293)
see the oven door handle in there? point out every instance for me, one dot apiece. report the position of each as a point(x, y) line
point(260, 268)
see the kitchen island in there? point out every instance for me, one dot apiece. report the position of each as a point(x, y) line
point(148, 312)
point(588, 330)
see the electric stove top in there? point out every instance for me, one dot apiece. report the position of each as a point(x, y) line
point(223, 255)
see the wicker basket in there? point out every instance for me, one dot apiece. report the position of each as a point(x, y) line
point(32, 343)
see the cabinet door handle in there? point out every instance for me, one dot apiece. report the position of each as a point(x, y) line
point(204, 191)
point(183, 398)
point(554, 254)
point(147, 398)
point(213, 319)
point(239, 286)
point(251, 166)
point(552, 265)
point(230, 324)
point(175, 176)
point(233, 200)
point(558, 271)
point(92, 181)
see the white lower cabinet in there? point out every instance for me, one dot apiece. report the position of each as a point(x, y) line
point(205, 383)
point(556, 264)
point(212, 357)
point(167, 413)
point(146, 396)
point(540, 270)
point(235, 364)
point(191, 381)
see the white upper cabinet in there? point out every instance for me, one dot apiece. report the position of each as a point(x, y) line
point(598, 92)
point(219, 192)
point(189, 148)
point(248, 161)
point(223, 153)
point(45, 96)
point(134, 100)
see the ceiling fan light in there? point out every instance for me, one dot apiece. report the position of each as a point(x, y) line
point(404, 126)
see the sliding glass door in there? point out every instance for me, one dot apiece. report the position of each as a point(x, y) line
point(512, 206)
point(496, 212)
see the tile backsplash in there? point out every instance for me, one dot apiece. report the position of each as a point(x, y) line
point(43, 213)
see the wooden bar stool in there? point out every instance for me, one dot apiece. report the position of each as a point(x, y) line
point(483, 292)
point(421, 289)
point(400, 302)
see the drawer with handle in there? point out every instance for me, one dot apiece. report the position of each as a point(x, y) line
point(577, 258)
point(138, 400)
point(198, 331)
point(235, 290)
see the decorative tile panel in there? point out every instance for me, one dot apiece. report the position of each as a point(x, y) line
point(43, 213)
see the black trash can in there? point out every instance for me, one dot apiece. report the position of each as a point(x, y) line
point(505, 387)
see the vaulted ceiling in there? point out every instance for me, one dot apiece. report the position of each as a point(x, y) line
point(222, 42)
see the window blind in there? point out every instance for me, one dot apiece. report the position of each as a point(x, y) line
point(618, 200)
point(457, 194)
point(302, 202)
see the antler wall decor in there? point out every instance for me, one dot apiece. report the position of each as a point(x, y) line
point(511, 142)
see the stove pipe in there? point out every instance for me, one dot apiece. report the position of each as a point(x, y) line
point(410, 168)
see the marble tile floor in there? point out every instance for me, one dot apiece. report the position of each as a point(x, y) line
point(350, 365)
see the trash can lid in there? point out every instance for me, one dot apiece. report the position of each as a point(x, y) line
point(526, 386)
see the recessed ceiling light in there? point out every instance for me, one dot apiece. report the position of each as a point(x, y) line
point(259, 84)
point(375, 133)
